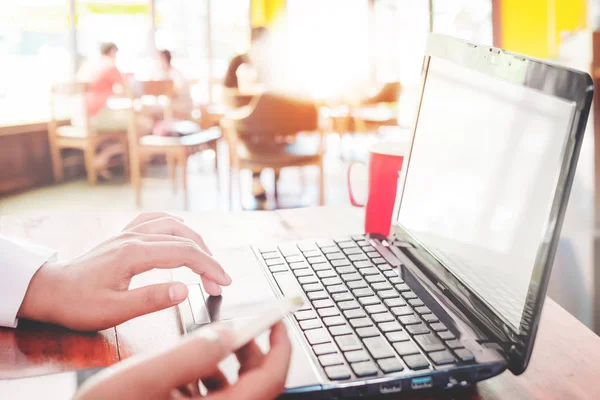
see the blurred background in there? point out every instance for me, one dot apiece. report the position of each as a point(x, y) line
point(357, 62)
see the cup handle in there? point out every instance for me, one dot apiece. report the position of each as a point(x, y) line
point(350, 193)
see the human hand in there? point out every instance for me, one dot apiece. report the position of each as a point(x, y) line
point(91, 292)
point(261, 376)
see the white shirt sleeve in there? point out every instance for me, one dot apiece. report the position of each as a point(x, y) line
point(19, 261)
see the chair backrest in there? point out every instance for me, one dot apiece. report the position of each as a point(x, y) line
point(71, 96)
point(275, 114)
point(389, 93)
point(154, 88)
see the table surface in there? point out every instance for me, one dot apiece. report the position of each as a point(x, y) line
point(565, 363)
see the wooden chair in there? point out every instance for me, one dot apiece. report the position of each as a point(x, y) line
point(378, 110)
point(276, 119)
point(176, 149)
point(78, 135)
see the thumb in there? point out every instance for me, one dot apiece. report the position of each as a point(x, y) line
point(151, 298)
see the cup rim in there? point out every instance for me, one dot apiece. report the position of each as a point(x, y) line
point(397, 148)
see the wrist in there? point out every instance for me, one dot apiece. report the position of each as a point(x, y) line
point(41, 297)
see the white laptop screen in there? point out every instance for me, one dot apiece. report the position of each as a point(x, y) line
point(482, 175)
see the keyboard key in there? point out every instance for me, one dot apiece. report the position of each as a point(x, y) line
point(342, 297)
point(289, 250)
point(303, 272)
point(308, 279)
point(438, 326)
point(406, 348)
point(388, 294)
point(345, 270)
point(351, 277)
point(325, 348)
point(317, 336)
point(417, 329)
point(356, 355)
point(390, 273)
point(340, 330)
point(360, 322)
point(295, 259)
point(464, 355)
point(336, 289)
point(368, 300)
point(429, 317)
point(375, 308)
point(409, 319)
point(416, 362)
point(387, 267)
point(328, 312)
point(271, 254)
point(331, 359)
point(346, 244)
point(371, 254)
point(416, 302)
point(358, 257)
point(337, 372)
point(357, 284)
point(454, 344)
point(409, 295)
point(383, 317)
point(348, 305)
point(389, 365)
point(375, 278)
point(307, 246)
point(335, 256)
point(340, 263)
point(446, 335)
point(321, 267)
point(317, 295)
point(363, 292)
point(402, 287)
point(348, 342)
point(323, 303)
point(379, 347)
point(396, 279)
point(352, 250)
point(278, 268)
point(326, 243)
point(358, 237)
point(429, 342)
point(274, 261)
point(368, 248)
point(395, 302)
point(364, 368)
point(267, 249)
point(397, 336)
point(369, 271)
point(423, 310)
point(312, 287)
point(368, 331)
point(302, 315)
point(363, 264)
point(332, 321)
point(311, 253)
point(330, 249)
point(356, 313)
point(378, 260)
point(390, 326)
point(316, 260)
point(403, 310)
point(326, 274)
point(331, 281)
point(310, 324)
point(362, 243)
point(441, 357)
point(382, 286)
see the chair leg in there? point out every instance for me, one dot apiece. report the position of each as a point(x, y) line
point(321, 184)
point(172, 164)
point(125, 158)
point(88, 155)
point(275, 190)
point(184, 161)
point(218, 180)
point(136, 177)
point(57, 164)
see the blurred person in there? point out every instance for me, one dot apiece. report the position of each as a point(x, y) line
point(181, 104)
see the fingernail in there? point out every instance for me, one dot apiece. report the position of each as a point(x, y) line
point(226, 278)
point(177, 292)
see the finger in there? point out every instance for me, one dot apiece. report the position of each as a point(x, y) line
point(211, 288)
point(140, 256)
point(216, 381)
point(142, 376)
point(144, 217)
point(250, 357)
point(171, 226)
point(271, 374)
point(148, 299)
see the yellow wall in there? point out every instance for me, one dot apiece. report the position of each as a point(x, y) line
point(534, 27)
point(266, 12)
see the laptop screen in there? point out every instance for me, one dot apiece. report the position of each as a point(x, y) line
point(482, 176)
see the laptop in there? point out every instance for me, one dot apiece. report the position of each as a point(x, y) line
point(454, 295)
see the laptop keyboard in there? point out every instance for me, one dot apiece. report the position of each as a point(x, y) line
point(361, 319)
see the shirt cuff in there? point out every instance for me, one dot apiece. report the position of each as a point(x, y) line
point(19, 261)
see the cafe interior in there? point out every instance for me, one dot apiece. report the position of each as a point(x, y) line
point(202, 83)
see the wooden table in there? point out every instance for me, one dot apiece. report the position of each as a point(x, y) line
point(565, 363)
